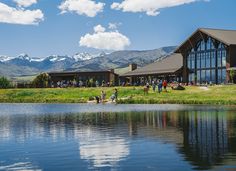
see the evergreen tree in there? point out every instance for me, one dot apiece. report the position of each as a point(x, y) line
point(4, 83)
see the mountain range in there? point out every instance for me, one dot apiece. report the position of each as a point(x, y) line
point(24, 65)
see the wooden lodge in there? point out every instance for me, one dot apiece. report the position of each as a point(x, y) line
point(105, 78)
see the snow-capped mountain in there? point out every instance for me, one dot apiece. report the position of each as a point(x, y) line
point(23, 56)
point(52, 58)
point(83, 56)
point(4, 58)
point(24, 64)
point(56, 58)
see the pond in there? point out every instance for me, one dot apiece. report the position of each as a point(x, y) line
point(117, 137)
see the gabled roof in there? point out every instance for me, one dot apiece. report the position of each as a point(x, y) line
point(169, 64)
point(79, 72)
point(227, 37)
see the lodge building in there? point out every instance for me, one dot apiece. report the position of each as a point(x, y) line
point(106, 76)
point(208, 55)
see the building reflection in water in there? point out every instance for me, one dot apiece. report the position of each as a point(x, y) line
point(204, 139)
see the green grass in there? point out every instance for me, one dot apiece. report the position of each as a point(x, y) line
point(222, 95)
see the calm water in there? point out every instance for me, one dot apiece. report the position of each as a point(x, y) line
point(117, 137)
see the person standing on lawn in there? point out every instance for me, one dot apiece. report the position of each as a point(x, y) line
point(114, 96)
point(103, 96)
point(165, 85)
point(153, 85)
point(160, 86)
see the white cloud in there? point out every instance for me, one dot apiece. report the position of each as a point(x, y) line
point(106, 40)
point(20, 16)
point(99, 28)
point(150, 7)
point(82, 7)
point(25, 3)
point(114, 26)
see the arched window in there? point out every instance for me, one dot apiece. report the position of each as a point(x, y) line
point(221, 46)
point(201, 45)
point(221, 55)
point(191, 59)
point(210, 44)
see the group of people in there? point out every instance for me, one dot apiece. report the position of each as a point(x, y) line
point(64, 84)
point(102, 97)
point(159, 84)
point(74, 83)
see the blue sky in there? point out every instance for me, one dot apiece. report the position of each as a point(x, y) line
point(44, 27)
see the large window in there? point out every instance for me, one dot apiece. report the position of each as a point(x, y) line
point(208, 75)
point(223, 58)
point(198, 60)
point(213, 75)
point(203, 75)
point(210, 44)
point(209, 60)
point(221, 75)
point(199, 76)
point(203, 60)
point(219, 58)
point(213, 59)
point(191, 60)
point(191, 77)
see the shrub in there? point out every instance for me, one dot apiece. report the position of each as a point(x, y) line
point(232, 74)
point(41, 81)
point(4, 83)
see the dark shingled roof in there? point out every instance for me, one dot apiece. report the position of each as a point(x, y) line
point(79, 72)
point(169, 64)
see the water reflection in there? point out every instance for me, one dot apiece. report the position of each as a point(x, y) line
point(24, 166)
point(102, 149)
point(207, 137)
point(198, 139)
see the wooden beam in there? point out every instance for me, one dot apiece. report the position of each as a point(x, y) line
point(201, 35)
point(190, 43)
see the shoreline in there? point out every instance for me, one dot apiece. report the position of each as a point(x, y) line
point(126, 101)
point(51, 109)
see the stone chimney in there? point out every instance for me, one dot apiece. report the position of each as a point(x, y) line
point(132, 67)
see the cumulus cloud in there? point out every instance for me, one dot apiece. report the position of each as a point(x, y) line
point(99, 28)
point(106, 40)
point(150, 7)
point(25, 3)
point(82, 7)
point(114, 26)
point(20, 16)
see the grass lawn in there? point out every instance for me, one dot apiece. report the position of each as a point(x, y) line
point(192, 95)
